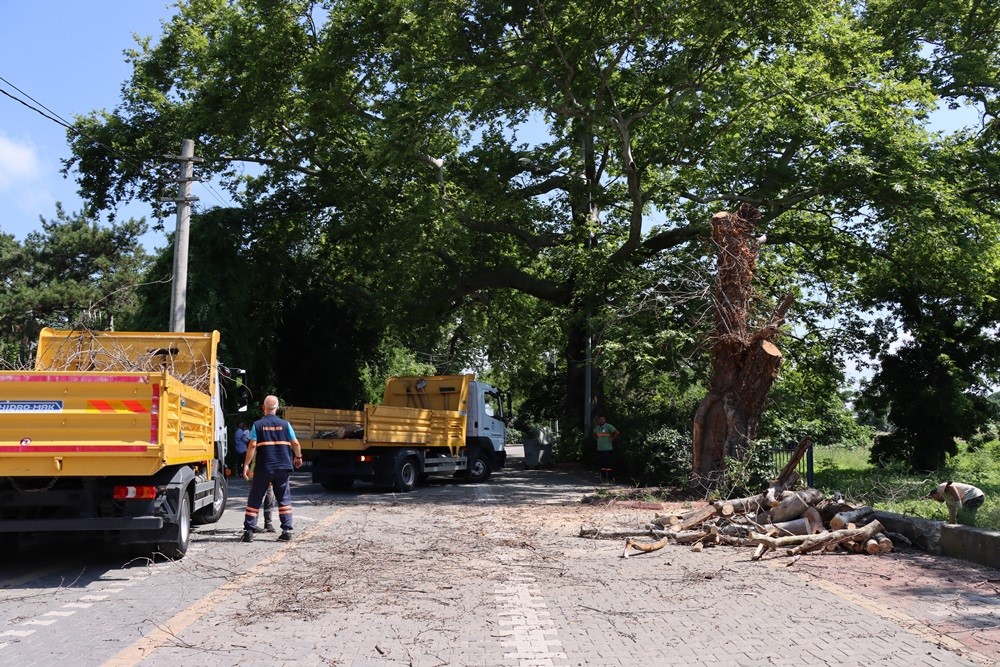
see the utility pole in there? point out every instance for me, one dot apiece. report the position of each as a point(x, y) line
point(178, 296)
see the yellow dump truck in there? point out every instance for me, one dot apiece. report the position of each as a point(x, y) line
point(432, 425)
point(121, 433)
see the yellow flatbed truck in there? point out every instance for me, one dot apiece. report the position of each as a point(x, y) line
point(120, 433)
point(431, 425)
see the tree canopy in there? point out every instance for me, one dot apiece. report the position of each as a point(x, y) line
point(510, 179)
point(72, 272)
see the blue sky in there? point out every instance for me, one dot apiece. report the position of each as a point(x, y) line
point(67, 55)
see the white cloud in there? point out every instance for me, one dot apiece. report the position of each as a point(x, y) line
point(19, 164)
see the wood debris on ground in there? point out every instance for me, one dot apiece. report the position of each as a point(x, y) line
point(780, 519)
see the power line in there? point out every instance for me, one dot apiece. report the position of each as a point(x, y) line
point(35, 109)
point(54, 117)
point(49, 114)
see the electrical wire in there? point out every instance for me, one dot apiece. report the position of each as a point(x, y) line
point(51, 115)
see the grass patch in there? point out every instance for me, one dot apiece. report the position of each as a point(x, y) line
point(894, 490)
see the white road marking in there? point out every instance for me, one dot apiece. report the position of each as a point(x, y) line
point(530, 632)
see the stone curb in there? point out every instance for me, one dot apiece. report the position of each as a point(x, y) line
point(946, 539)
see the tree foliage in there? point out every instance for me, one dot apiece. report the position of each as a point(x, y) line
point(505, 180)
point(73, 272)
point(284, 312)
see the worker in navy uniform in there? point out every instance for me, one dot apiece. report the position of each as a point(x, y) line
point(275, 452)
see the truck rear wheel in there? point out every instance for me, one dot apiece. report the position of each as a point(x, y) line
point(212, 513)
point(176, 550)
point(405, 478)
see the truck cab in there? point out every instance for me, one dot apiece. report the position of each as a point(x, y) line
point(486, 428)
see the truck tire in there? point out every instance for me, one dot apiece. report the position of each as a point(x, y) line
point(405, 478)
point(337, 483)
point(176, 550)
point(480, 469)
point(212, 513)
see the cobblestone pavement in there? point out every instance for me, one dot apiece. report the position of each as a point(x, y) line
point(490, 574)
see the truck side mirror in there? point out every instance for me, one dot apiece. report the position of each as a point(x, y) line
point(243, 396)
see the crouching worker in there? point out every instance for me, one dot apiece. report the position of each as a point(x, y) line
point(957, 497)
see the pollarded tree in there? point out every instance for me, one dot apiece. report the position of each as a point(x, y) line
point(452, 151)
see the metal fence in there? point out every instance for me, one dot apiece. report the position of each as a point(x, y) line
point(780, 456)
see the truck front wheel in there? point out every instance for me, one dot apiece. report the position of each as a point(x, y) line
point(212, 513)
point(480, 469)
point(405, 478)
point(176, 550)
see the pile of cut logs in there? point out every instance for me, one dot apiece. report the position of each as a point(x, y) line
point(780, 518)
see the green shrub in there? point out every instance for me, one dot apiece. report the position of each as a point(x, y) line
point(659, 458)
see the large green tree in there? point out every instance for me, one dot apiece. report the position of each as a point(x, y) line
point(477, 162)
point(285, 312)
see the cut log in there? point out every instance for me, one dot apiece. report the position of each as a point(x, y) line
point(800, 526)
point(884, 543)
point(871, 546)
point(666, 520)
point(769, 541)
point(794, 504)
point(857, 516)
point(735, 530)
point(793, 463)
point(695, 518)
point(750, 505)
point(709, 536)
point(858, 535)
point(689, 536)
point(773, 493)
point(813, 515)
point(829, 508)
point(611, 533)
point(809, 523)
point(645, 547)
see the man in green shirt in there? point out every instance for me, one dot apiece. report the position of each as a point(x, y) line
point(605, 434)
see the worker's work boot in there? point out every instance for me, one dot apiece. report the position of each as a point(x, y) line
point(247, 536)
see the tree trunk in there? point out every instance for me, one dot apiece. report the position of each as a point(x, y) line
point(744, 363)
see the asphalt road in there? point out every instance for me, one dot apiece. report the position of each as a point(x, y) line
point(450, 574)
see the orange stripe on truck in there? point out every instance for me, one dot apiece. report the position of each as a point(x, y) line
point(118, 407)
